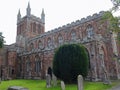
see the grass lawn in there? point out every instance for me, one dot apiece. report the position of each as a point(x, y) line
point(41, 85)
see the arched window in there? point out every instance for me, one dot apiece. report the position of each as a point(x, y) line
point(101, 54)
point(40, 44)
point(49, 42)
point(73, 35)
point(34, 27)
point(31, 46)
point(60, 40)
point(37, 64)
point(28, 65)
point(39, 28)
point(90, 32)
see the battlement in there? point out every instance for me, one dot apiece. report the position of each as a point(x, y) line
point(72, 24)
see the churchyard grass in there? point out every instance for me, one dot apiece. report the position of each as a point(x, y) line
point(41, 85)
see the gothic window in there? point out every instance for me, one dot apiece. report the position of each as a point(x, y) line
point(49, 42)
point(40, 44)
point(34, 27)
point(73, 35)
point(31, 27)
point(90, 32)
point(39, 28)
point(37, 64)
point(101, 54)
point(31, 46)
point(60, 39)
point(28, 65)
point(10, 69)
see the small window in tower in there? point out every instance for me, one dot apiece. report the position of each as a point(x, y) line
point(39, 28)
point(34, 27)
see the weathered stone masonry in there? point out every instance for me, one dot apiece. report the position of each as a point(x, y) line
point(32, 54)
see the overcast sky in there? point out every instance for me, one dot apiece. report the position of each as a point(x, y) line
point(57, 13)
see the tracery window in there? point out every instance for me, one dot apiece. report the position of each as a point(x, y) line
point(73, 35)
point(40, 44)
point(60, 39)
point(37, 64)
point(39, 28)
point(101, 52)
point(31, 46)
point(34, 27)
point(28, 65)
point(49, 43)
point(90, 32)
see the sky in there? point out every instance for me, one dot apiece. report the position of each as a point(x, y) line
point(57, 13)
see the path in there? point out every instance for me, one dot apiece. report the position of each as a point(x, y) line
point(116, 87)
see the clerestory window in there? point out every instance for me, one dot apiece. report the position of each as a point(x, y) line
point(90, 32)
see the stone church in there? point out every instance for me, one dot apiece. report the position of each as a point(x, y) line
point(32, 53)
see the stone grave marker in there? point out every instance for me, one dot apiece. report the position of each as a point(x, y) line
point(54, 80)
point(62, 85)
point(80, 82)
point(48, 81)
point(17, 88)
point(0, 80)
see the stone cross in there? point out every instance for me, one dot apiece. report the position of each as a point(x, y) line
point(48, 81)
point(80, 82)
point(62, 85)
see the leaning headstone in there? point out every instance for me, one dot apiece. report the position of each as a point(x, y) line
point(62, 85)
point(48, 81)
point(54, 80)
point(80, 82)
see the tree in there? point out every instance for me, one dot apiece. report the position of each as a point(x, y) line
point(116, 4)
point(1, 40)
point(69, 61)
point(112, 21)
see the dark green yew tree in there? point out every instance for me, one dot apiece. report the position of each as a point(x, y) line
point(70, 60)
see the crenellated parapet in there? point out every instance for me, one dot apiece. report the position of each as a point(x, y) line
point(78, 22)
point(66, 31)
point(30, 16)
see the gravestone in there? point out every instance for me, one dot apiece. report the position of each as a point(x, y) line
point(48, 81)
point(62, 85)
point(80, 82)
point(54, 80)
point(0, 80)
point(17, 88)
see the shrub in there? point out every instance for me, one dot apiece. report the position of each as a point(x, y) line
point(69, 61)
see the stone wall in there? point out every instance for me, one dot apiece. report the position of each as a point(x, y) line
point(32, 54)
point(88, 31)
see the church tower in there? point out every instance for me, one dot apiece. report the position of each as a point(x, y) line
point(29, 26)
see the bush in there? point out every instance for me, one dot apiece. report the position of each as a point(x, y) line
point(69, 61)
